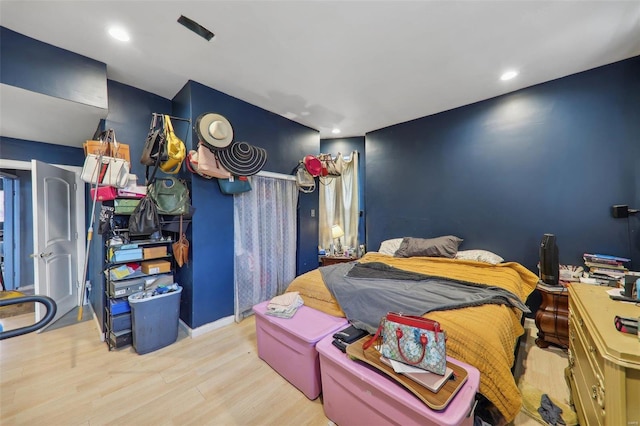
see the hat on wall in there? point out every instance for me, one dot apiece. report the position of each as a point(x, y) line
point(242, 159)
point(313, 165)
point(214, 130)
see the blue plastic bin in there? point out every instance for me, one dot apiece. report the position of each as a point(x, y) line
point(154, 321)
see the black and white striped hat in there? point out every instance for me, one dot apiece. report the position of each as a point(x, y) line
point(242, 159)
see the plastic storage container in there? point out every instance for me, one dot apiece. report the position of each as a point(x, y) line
point(355, 394)
point(154, 321)
point(288, 345)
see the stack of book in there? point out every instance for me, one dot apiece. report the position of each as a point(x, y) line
point(604, 268)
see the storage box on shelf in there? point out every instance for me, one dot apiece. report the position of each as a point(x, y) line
point(126, 277)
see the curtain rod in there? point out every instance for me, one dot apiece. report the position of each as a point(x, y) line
point(171, 117)
point(274, 175)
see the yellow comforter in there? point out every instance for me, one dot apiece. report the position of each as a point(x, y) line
point(482, 336)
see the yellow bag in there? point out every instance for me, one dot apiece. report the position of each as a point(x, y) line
point(176, 151)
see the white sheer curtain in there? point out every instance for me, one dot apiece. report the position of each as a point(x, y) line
point(265, 241)
point(339, 203)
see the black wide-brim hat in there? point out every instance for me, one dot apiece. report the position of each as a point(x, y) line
point(242, 159)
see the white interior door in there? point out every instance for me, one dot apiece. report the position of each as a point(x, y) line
point(55, 238)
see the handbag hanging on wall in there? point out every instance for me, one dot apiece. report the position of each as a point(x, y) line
point(118, 149)
point(154, 146)
point(193, 163)
point(412, 340)
point(329, 166)
point(236, 185)
point(209, 165)
point(103, 170)
point(145, 219)
point(181, 248)
point(176, 150)
point(171, 196)
point(304, 181)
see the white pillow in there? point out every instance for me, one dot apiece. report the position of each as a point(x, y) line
point(479, 256)
point(390, 246)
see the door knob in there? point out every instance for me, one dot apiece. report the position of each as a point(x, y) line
point(41, 255)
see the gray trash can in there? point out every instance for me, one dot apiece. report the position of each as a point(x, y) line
point(154, 320)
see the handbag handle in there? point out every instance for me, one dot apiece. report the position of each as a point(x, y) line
point(415, 321)
point(168, 125)
point(116, 144)
point(423, 343)
point(410, 320)
point(152, 179)
point(369, 342)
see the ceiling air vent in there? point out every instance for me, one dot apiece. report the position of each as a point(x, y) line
point(196, 28)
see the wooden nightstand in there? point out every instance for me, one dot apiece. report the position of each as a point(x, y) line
point(331, 260)
point(552, 318)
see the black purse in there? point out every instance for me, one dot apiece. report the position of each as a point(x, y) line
point(154, 150)
point(145, 219)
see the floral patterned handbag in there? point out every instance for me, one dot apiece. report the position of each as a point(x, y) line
point(412, 340)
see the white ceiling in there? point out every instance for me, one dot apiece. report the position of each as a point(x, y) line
point(355, 65)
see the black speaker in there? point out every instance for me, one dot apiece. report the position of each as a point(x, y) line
point(549, 263)
point(620, 211)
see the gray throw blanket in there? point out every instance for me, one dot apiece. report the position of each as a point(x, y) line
point(367, 291)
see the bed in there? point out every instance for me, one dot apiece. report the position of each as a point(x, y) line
point(482, 336)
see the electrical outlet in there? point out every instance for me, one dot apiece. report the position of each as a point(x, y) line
point(313, 212)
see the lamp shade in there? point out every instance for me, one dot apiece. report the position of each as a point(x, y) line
point(336, 231)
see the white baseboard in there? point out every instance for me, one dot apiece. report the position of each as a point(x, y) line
point(196, 332)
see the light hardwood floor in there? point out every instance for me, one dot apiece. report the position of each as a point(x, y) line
point(68, 377)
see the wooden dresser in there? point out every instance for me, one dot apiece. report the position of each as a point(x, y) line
point(604, 364)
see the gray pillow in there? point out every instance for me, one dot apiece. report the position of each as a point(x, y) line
point(446, 246)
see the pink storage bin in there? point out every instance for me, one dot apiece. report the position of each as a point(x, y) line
point(354, 394)
point(288, 345)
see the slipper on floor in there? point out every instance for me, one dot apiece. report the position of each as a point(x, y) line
point(531, 401)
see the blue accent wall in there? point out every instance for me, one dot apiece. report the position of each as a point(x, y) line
point(44, 68)
point(552, 158)
point(211, 291)
point(129, 116)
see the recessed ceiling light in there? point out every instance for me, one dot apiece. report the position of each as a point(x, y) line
point(508, 75)
point(119, 33)
point(335, 131)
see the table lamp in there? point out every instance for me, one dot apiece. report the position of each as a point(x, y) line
point(337, 233)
